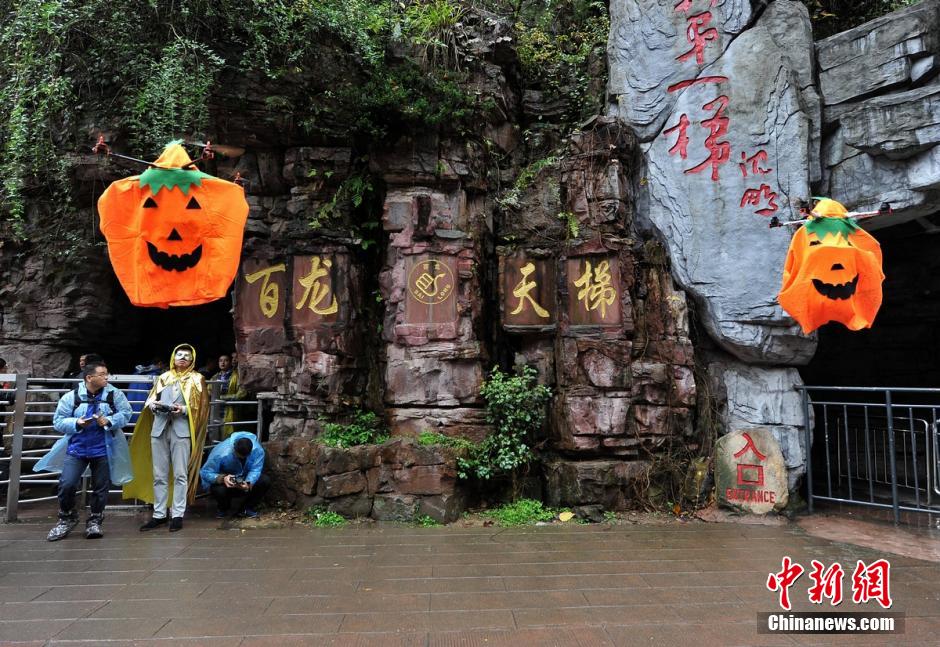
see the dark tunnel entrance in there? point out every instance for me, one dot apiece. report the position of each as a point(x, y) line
point(902, 349)
point(133, 336)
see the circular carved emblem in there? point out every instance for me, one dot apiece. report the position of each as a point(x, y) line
point(430, 281)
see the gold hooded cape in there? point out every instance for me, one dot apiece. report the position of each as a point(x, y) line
point(196, 396)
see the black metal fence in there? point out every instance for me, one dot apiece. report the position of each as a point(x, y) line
point(875, 447)
point(26, 410)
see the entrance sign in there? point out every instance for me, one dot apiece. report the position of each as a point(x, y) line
point(750, 473)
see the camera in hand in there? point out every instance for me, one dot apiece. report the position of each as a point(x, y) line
point(159, 407)
point(237, 479)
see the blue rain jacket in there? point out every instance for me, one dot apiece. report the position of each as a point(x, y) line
point(222, 460)
point(67, 414)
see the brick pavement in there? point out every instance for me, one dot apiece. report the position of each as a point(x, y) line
point(391, 585)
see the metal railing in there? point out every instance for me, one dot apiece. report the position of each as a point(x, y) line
point(26, 412)
point(875, 447)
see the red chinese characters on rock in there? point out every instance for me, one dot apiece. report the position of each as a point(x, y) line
point(754, 161)
point(682, 140)
point(717, 126)
point(719, 152)
point(760, 196)
point(750, 477)
point(698, 37)
point(761, 199)
point(684, 5)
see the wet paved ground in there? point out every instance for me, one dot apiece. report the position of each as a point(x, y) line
point(388, 585)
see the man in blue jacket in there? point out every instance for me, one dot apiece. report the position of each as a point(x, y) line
point(233, 470)
point(86, 416)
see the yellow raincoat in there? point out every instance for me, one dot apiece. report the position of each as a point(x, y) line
point(196, 396)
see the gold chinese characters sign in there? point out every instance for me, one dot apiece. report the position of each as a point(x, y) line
point(431, 289)
point(528, 291)
point(594, 291)
point(314, 299)
point(262, 290)
point(304, 286)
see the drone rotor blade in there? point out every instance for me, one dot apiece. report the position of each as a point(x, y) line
point(221, 149)
point(228, 151)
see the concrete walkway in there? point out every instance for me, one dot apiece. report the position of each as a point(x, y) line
point(663, 584)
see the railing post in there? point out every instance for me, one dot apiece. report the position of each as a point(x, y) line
point(16, 456)
point(893, 460)
point(809, 451)
point(260, 417)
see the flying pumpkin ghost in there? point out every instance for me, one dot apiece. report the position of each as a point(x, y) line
point(174, 233)
point(833, 271)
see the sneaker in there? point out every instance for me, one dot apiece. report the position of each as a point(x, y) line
point(221, 514)
point(176, 523)
point(249, 513)
point(153, 523)
point(93, 527)
point(62, 529)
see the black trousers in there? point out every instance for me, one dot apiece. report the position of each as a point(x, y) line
point(225, 495)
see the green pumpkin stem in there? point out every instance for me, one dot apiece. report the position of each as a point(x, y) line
point(824, 226)
point(158, 178)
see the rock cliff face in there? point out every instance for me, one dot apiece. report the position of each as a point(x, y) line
point(725, 105)
point(881, 100)
point(435, 255)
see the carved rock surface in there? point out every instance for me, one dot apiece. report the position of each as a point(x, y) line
point(750, 474)
point(748, 107)
point(645, 38)
point(754, 396)
point(892, 50)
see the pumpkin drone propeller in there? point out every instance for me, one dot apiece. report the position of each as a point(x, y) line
point(808, 214)
point(208, 152)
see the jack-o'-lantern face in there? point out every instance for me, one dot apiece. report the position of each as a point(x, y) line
point(174, 233)
point(833, 272)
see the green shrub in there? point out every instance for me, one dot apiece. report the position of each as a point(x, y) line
point(515, 406)
point(521, 513)
point(322, 518)
point(366, 428)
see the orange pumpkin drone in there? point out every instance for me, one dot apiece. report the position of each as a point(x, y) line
point(174, 233)
point(833, 271)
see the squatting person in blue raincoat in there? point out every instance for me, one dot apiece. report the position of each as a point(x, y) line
point(91, 417)
point(233, 470)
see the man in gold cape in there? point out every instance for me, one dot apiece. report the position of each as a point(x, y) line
point(178, 400)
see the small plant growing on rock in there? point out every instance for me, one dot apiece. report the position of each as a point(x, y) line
point(366, 428)
point(515, 406)
point(426, 521)
point(322, 518)
point(521, 513)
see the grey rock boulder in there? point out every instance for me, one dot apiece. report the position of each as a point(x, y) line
point(896, 49)
point(713, 217)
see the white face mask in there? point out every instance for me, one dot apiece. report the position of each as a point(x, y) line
point(183, 355)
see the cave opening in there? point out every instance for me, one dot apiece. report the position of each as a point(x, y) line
point(135, 336)
point(902, 348)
